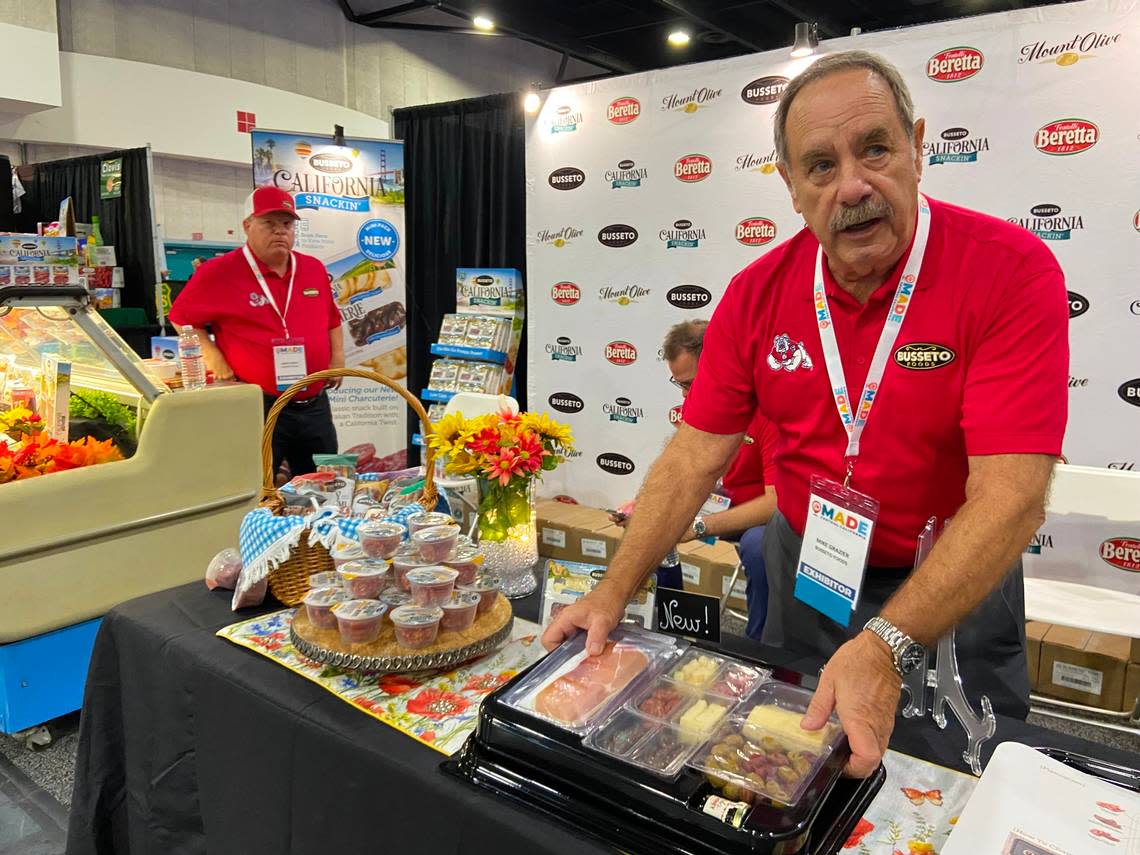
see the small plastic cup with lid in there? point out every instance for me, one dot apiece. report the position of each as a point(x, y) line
point(359, 620)
point(326, 579)
point(416, 626)
point(345, 551)
point(436, 543)
point(404, 563)
point(427, 520)
point(364, 579)
point(431, 586)
point(393, 598)
point(380, 539)
point(459, 611)
point(467, 561)
point(319, 603)
point(487, 586)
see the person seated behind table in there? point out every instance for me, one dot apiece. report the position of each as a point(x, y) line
point(748, 483)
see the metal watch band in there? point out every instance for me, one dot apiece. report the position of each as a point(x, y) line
point(895, 638)
point(699, 527)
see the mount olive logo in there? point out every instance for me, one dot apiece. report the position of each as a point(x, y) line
point(1122, 553)
point(1045, 221)
point(755, 162)
point(955, 64)
point(1079, 47)
point(1066, 136)
point(622, 296)
point(334, 163)
point(559, 238)
point(1129, 392)
point(566, 402)
point(692, 168)
point(690, 103)
point(567, 178)
point(764, 90)
point(622, 111)
point(565, 293)
point(621, 353)
point(615, 464)
point(1078, 304)
point(689, 297)
point(921, 356)
point(756, 231)
point(617, 235)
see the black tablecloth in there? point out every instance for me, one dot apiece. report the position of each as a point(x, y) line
point(190, 744)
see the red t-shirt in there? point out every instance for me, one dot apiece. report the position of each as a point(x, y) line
point(224, 293)
point(989, 292)
point(755, 464)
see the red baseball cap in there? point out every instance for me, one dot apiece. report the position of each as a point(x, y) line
point(270, 200)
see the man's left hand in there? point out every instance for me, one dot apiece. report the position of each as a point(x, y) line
point(861, 685)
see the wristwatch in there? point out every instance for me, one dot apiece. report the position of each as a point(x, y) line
point(699, 527)
point(907, 652)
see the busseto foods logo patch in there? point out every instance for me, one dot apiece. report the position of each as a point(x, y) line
point(956, 146)
point(1068, 53)
point(1078, 304)
point(1066, 136)
point(1046, 222)
point(689, 297)
point(627, 174)
point(1123, 553)
point(622, 111)
point(559, 238)
point(755, 231)
point(566, 402)
point(955, 64)
point(564, 350)
point(565, 293)
point(675, 417)
point(622, 296)
point(1129, 392)
point(690, 102)
point(754, 161)
point(623, 410)
point(683, 235)
point(567, 178)
point(764, 90)
point(617, 235)
point(692, 168)
point(621, 353)
point(921, 356)
point(332, 163)
point(565, 120)
point(615, 464)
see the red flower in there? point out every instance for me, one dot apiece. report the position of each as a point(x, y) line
point(368, 704)
point(504, 467)
point(396, 684)
point(428, 736)
point(484, 683)
point(485, 442)
point(862, 828)
point(432, 703)
point(531, 452)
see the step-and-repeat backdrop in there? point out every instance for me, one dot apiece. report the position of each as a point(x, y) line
point(646, 193)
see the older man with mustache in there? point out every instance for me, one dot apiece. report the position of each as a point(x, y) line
point(913, 356)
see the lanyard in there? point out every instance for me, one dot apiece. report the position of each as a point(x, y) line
point(904, 296)
point(260, 277)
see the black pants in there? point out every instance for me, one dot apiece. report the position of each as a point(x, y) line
point(304, 428)
point(990, 641)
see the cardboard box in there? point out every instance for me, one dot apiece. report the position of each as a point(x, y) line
point(1134, 654)
point(1034, 632)
point(34, 249)
point(1132, 687)
point(693, 570)
point(1084, 667)
point(716, 563)
point(557, 530)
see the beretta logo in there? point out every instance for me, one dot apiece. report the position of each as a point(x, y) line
point(956, 146)
point(1078, 304)
point(564, 350)
point(621, 353)
point(615, 464)
point(921, 356)
point(1067, 53)
point(566, 402)
point(690, 102)
point(675, 417)
point(1066, 136)
point(764, 90)
point(756, 231)
point(955, 64)
point(1129, 392)
point(334, 163)
point(622, 296)
point(756, 162)
point(622, 111)
point(567, 178)
point(689, 297)
point(683, 235)
point(565, 293)
point(1122, 553)
point(1045, 221)
point(617, 235)
point(627, 174)
point(559, 238)
point(565, 120)
point(692, 168)
point(622, 410)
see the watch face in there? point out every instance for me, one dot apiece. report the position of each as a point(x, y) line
point(911, 657)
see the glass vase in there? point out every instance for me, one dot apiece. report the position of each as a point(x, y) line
point(508, 534)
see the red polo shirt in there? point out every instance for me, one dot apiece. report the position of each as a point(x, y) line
point(989, 293)
point(755, 464)
point(225, 294)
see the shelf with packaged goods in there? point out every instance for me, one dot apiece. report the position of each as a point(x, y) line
point(462, 351)
point(436, 396)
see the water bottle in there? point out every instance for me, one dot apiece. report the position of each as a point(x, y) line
point(190, 359)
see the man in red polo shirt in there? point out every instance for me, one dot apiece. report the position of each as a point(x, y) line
point(954, 326)
point(273, 315)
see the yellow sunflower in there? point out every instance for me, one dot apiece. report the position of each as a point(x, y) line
point(549, 429)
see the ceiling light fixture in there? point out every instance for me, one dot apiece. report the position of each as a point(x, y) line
point(482, 22)
point(806, 41)
point(532, 102)
point(678, 38)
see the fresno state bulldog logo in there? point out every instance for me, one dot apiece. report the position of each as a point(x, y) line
point(787, 355)
point(257, 300)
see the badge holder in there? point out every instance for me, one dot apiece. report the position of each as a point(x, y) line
point(944, 682)
point(289, 363)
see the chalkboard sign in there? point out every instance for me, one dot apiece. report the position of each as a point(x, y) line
point(688, 615)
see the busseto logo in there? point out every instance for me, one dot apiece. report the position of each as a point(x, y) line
point(755, 231)
point(1046, 222)
point(956, 146)
point(683, 235)
point(1066, 136)
point(764, 90)
point(1068, 53)
point(615, 464)
point(617, 235)
point(690, 102)
point(564, 120)
point(623, 410)
point(566, 402)
point(622, 111)
point(559, 238)
point(332, 163)
point(566, 178)
point(689, 297)
point(692, 168)
point(622, 296)
point(565, 293)
point(1123, 553)
point(1078, 304)
point(675, 417)
point(627, 174)
point(621, 353)
point(922, 356)
point(1129, 392)
point(484, 280)
point(955, 64)
point(564, 350)
point(753, 161)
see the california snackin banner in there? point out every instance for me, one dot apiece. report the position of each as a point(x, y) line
point(647, 193)
point(351, 201)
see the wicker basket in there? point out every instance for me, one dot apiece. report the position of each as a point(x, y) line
point(289, 582)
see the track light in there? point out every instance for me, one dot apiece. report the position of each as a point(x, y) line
point(531, 102)
point(806, 41)
point(482, 22)
point(678, 38)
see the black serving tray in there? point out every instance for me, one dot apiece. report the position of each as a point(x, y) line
point(1113, 773)
point(546, 768)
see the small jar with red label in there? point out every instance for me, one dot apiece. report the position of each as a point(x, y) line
point(364, 579)
point(359, 620)
point(467, 561)
point(428, 520)
point(416, 626)
point(487, 586)
point(319, 603)
point(380, 539)
point(459, 611)
point(437, 543)
point(404, 563)
point(431, 586)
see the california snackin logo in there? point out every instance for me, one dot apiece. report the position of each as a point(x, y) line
point(1044, 220)
point(764, 90)
point(621, 353)
point(627, 174)
point(842, 518)
point(1066, 136)
point(921, 356)
point(560, 238)
point(752, 161)
point(622, 410)
point(564, 350)
point(690, 102)
point(683, 235)
point(955, 64)
point(622, 296)
point(1123, 553)
point(956, 147)
point(622, 111)
point(565, 293)
point(566, 178)
point(692, 168)
point(1067, 53)
point(565, 120)
point(755, 231)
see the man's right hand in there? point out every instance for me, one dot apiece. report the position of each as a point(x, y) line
point(597, 613)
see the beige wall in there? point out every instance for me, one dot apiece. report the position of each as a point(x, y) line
point(35, 14)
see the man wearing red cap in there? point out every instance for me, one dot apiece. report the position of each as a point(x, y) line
point(274, 319)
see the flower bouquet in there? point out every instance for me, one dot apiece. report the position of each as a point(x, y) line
point(37, 454)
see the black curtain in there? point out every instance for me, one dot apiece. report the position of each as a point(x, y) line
point(465, 192)
point(125, 223)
